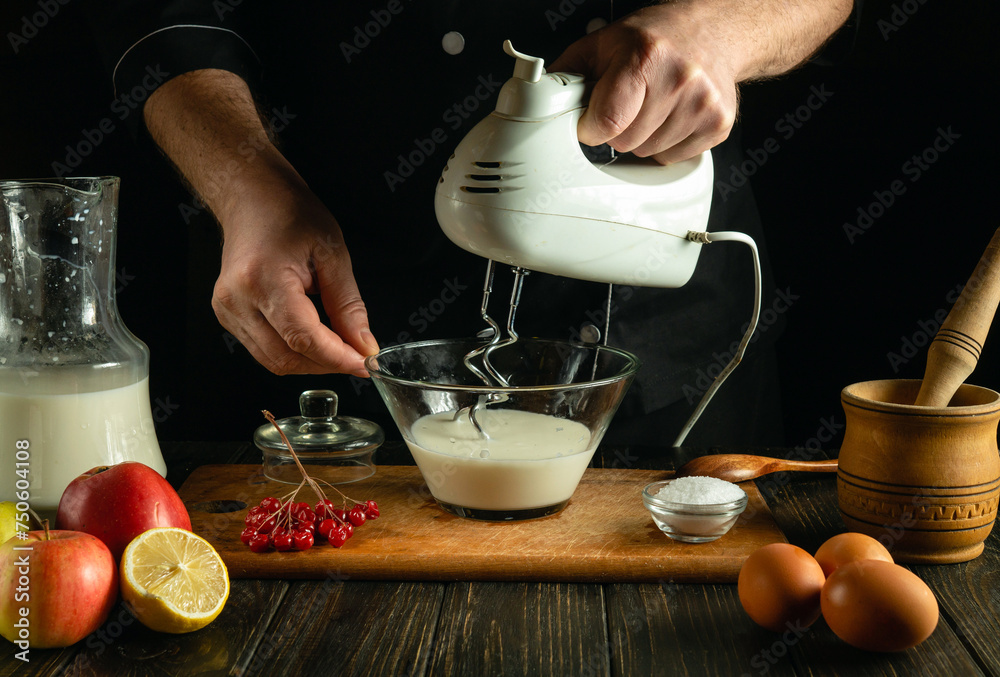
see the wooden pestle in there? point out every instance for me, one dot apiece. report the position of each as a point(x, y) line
point(956, 347)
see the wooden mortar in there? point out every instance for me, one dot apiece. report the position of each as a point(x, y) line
point(925, 481)
point(919, 467)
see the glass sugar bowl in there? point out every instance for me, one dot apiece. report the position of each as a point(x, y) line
point(694, 509)
point(332, 448)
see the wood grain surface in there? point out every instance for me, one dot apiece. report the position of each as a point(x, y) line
point(335, 625)
point(604, 534)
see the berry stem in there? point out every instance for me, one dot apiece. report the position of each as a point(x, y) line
point(295, 457)
point(306, 478)
point(342, 494)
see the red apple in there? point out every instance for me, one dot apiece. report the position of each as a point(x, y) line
point(56, 588)
point(116, 503)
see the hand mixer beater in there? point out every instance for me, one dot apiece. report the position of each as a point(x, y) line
point(520, 190)
point(493, 331)
point(496, 340)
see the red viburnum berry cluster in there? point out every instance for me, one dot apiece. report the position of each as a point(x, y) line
point(286, 524)
point(295, 525)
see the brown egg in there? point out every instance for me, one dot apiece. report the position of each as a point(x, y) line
point(849, 547)
point(879, 606)
point(779, 587)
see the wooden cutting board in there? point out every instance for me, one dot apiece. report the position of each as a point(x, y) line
point(604, 534)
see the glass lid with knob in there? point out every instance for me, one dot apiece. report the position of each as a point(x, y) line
point(320, 437)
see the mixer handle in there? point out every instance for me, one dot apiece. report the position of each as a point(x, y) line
point(955, 350)
point(526, 67)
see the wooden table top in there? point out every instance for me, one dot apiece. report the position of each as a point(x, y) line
point(337, 626)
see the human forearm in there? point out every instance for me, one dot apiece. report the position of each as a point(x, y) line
point(763, 38)
point(206, 122)
point(280, 242)
point(666, 77)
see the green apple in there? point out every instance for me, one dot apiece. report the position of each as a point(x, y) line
point(8, 521)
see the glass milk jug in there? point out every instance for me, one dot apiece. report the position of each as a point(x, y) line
point(73, 380)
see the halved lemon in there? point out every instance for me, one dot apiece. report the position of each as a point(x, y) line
point(173, 580)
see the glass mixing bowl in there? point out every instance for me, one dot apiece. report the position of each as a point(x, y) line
point(502, 452)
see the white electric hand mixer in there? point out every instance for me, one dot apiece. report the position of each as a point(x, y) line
point(519, 190)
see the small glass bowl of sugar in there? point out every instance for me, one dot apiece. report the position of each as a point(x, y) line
point(694, 509)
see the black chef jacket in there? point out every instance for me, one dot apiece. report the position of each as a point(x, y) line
point(368, 104)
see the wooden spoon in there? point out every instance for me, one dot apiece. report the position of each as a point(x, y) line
point(743, 467)
point(956, 347)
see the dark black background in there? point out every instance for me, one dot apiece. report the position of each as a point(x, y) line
point(917, 68)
